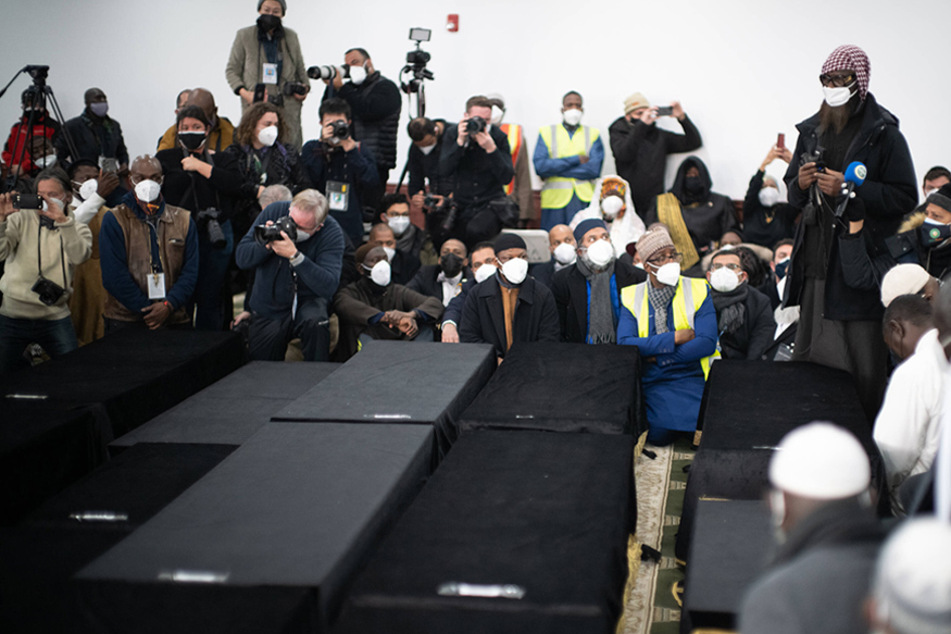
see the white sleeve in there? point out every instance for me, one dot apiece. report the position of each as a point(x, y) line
point(901, 423)
point(88, 209)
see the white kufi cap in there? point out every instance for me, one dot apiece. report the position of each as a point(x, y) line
point(820, 461)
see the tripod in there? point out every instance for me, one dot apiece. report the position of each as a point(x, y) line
point(35, 100)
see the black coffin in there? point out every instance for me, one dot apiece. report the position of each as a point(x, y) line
point(134, 375)
point(400, 382)
point(39, 557)
point(549, 513)
point(562, 387)
point(730, 547)
point(747, 409)
point(268, 540)
point(231, 410)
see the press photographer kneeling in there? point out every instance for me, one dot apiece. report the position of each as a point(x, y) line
point(296, 252)
point(41, 244)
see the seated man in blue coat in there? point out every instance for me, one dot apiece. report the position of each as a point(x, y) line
point(510, 306)
point(296, 277)
point(672, 321)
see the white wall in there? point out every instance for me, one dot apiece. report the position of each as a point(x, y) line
point(743, 69)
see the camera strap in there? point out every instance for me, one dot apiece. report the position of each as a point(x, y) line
point(39, 255)
point(194, 189)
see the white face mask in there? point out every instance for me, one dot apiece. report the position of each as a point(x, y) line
point(601, 253)
point(669, 274)
point(426, 149)
point(358, 74)
point(565, 253)
point(302, 235)
point(724, 280)
point(399, 224)
point(515, 270)
point(836, 97)
point(147, 190)
point(390, 252)
point(380, 273)
point(932, 221)
point(485, 271)
point(88, 188)
point(268, 136)
point(45, 161)
point(611, 207)
point(56, 201)
point(768, 196)
point(572, 116)
point(497, 114)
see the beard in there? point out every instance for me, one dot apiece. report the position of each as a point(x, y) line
point(837, 117)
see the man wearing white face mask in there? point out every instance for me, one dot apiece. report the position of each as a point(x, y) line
point(744, 315)
point(568, 157)
point(41, 249)
point(828, 537)
point(588, 293)
point(395, 212)
point(376, 307)
point(295, 279)
point(839, 324)
point(612, 202)
point(148, 251)
point(509, 307)
point(375, 104)
point(422, 161)
point(672, 321)
point(562, 246)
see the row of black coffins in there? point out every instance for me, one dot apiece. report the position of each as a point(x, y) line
point(725, 533)
point(414, 488)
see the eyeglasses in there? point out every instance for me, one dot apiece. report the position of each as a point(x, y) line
point(736, 268)
point(837, 79)
point(658, 260)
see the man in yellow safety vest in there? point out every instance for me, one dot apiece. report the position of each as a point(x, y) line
point(568, 157)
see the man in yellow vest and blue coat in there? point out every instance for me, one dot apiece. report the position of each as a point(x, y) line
point(672, 321)
point(568, 157)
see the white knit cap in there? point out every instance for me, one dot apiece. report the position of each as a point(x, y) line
point(912, 586)
point(903, 279)
point(820, 461)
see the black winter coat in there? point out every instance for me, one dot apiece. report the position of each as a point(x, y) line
point(375, 105)
point(752, 339)
point(483, 318)
point(766, 226)
point(570, 289)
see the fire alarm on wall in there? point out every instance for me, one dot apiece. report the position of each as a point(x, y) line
point(452, 22)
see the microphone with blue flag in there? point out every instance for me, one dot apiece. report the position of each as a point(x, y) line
point(854, 176)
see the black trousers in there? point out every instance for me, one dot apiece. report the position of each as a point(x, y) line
point(268, 338)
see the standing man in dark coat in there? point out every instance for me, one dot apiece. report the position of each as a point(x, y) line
point(375, 102)
point(588, 292)
point(839, 325)
point(95, 135)
point(510, 306)
point(640, 148)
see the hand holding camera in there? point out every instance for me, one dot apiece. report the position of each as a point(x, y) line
point(53, 209)
point(278, 236)
point(337, 134)
point(6, 205)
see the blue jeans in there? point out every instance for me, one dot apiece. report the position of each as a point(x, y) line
point(57, 337)
point(212, 276)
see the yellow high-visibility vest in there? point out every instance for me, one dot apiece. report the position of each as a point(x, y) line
point(690, 295)
point(557, 191)
point(514, 133)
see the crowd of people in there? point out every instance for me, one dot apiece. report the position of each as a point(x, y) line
point(815, 264)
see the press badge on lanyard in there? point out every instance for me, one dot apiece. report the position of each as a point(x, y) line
point(156, 283)
point(338, 194)
point(269, 75)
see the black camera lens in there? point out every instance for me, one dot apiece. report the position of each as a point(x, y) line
point(475, 125)
point(341, 129)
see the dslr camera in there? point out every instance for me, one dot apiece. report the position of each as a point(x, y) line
point(341, 129)
point(209, 219)
point(328, 72)
point(27, 201)
point(50, 292)
point(264, 234)
point(294, 88)
point(474, 126)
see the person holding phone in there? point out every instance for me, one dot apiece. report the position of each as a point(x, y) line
point(767, 217)
point(640, 147)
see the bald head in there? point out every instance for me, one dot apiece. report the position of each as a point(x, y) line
point(94, 95)
point(145, 167)
point(205, 100)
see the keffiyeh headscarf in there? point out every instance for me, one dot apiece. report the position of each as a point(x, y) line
point(852, 58)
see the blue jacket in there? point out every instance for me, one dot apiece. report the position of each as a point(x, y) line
point(356, 168)
point(318, 275)
point(569, 166)
point(114, 262)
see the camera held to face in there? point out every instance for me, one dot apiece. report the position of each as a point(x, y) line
point(475, 125)
point(264, 234)
point(340, 129)
point(328, 72)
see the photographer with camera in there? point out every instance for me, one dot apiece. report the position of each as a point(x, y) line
point(149, 254)
point(375, 105)
point(340, 167)
point(839, 325)
point(204, 183)
point(476, 161)
point(296, 253)
point(268, 55)
point(422, 161)
point(41, 244)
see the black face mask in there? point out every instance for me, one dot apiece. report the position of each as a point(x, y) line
point(269, 22)
point(931, 235)
point(451, 264)
point(693, 185)
point(191, 140)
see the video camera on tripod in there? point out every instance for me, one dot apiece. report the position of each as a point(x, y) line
point(416, 61)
